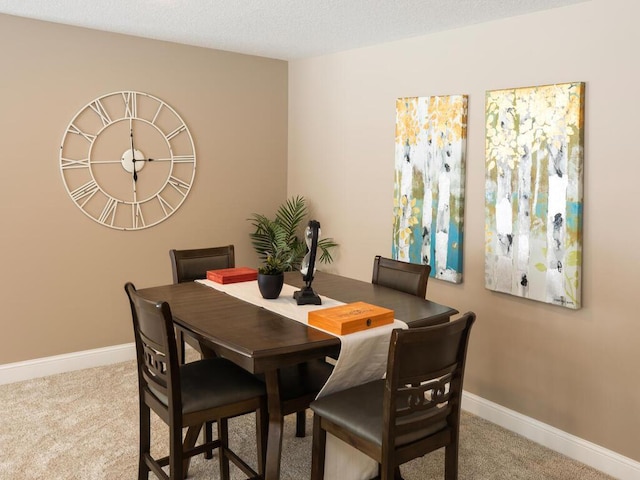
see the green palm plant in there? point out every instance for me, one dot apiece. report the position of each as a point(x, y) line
point(279, 242)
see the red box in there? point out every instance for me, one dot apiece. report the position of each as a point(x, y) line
point(232, 275)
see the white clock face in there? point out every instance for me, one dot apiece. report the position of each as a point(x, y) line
point(127, 160)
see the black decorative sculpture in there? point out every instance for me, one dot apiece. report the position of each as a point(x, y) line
point(307, 296)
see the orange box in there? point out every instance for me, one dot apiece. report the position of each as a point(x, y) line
point(350, 318)
point(232, 275)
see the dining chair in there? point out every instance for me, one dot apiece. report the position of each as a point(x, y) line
point(403, 276)
point(193, 264)
point(187, 396)
point(414, 410)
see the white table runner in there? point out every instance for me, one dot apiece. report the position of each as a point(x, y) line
point(363, 358)
point(363, 355)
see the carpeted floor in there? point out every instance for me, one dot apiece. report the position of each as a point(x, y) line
point(84, 425)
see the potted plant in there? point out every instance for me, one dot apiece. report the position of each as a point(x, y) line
point(279, 244)
point(278, 258)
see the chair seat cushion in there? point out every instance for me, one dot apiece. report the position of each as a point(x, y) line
point(360, 410)
point(214, 382)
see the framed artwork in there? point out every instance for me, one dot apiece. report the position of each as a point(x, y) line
point(428, 212)
point(533, 192)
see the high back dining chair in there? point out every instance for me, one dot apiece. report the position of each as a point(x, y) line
point(188, 395)
point(190, 265)
point(403, 276)
point(413, 411)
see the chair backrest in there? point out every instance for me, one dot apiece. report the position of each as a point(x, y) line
point(403, 276)
point(190, 265)
point(425, 372)
point(156, 351)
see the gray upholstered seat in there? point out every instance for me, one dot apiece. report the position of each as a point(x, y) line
point(361, 410)
point(211, 383)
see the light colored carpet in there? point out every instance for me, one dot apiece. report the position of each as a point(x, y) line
point(84, 425)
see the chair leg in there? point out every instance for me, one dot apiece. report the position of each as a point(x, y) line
point(318, 450)
point(208, 436)
point(223, 436)
point(388, 472)
point(301, 425)
point(451, 462)
point(145, 441)
point(176, 457)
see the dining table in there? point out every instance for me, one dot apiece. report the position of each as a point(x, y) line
point(262, 341)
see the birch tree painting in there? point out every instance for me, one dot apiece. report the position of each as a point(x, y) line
point(429, 183)
point(533, 192)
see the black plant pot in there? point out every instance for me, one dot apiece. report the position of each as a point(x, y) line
point(270, 285)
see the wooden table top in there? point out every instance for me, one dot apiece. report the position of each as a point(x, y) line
point(259, 340)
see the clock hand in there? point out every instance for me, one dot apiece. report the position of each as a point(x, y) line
point(133, 154)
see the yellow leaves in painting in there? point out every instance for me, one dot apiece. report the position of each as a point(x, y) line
point(574, 258)
point(410, 210)
point(405, 235)
point(405, 218)
point(443, 119)
point(407, 128)
point(520, 121)
point(446, 119)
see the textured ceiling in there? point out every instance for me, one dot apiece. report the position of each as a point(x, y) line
point(284, 29)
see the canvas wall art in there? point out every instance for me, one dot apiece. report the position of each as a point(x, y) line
point(533, 192)
point(430, 145)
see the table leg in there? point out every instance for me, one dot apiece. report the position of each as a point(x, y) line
point(276, 421)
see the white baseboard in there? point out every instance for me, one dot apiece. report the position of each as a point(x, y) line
point(42, 367)
point(600, 458)
point(607, 461)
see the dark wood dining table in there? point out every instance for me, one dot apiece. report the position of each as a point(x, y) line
point(262, 342)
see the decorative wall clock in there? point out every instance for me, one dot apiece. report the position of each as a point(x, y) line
point(127, 160)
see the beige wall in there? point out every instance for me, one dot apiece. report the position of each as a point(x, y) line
point(63, 274)
point(574, 370)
